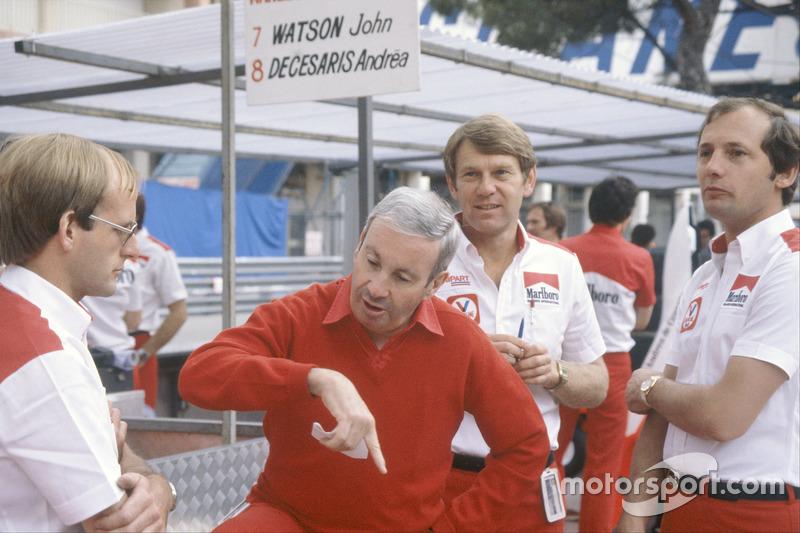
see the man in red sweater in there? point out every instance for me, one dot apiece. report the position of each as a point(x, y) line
point(367, 355)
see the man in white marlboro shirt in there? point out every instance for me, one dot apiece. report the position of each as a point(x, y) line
point(724, 415)
point(528, 294)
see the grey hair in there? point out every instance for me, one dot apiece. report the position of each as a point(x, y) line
point(420, 214)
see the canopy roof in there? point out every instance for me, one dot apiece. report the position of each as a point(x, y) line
point(148, 83)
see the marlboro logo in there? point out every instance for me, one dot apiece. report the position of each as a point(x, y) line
point(541, 288)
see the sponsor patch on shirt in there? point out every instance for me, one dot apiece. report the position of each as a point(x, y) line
point(468, 304)
point(690, 318)
point(541, 289)
point(740, 291)
point(458, 281)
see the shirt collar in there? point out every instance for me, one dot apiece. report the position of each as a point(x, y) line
point(604, 228)
point(54, 303)
point(425, 315)
point(755, 240)
point(463, 242)
point(523, 239)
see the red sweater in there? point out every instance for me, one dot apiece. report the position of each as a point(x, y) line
point(417, 388)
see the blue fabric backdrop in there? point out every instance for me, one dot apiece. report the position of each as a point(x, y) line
point(190, 221)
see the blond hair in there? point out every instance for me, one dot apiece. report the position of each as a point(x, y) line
point(42, 177)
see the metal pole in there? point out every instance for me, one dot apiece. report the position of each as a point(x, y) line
point(366, 168)
point(228, 192)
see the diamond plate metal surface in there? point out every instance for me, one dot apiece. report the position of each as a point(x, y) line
point(211, 482)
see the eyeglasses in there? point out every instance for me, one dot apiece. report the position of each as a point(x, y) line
point(127, 231)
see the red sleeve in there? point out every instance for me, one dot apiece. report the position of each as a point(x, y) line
point(646, 295)
point(512, 425)
point(246, 368)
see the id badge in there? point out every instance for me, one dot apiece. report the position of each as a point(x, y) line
point(554, 508)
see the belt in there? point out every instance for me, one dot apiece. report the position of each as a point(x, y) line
point(476, 464)
point(733, 491)
point(468, 463)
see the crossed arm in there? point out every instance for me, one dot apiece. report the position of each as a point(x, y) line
point(147, 500)
point(722, 412)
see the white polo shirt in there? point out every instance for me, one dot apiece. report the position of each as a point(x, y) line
point(744, 302)
point(160, 282)
point(543, 295)
point(58, 451)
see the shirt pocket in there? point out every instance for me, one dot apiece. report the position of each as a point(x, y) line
point(546, 325)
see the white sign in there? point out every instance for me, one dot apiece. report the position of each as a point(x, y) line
point(745, 46)
point(301, 50)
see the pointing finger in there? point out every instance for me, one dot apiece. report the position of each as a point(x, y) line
point(374, 447)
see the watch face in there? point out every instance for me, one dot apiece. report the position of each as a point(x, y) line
point(646, 384)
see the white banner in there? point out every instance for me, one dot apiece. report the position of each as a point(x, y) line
point(301, 50)
point(677, 273)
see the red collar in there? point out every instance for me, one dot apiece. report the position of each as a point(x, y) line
point(425, 315)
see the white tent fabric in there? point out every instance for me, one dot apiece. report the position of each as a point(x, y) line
point(115, 85)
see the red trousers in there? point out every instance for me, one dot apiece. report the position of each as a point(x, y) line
point(704, 514)
point(605, 427)
point(460, 481)
point(261, 517)
point(146, 377)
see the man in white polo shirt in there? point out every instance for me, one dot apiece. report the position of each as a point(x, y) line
point(723, 415)
point(528, 294)
point(67, 222)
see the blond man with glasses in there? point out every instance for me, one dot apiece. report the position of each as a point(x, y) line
point(67, 217)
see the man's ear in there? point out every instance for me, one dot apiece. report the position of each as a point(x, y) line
point(67, 227)
point(451, 184)
point(530, 181)
point(360, 242)
point(434, 285)
point(786, 178)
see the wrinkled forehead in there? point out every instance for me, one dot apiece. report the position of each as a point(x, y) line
point(470, 156)
point(411, 253)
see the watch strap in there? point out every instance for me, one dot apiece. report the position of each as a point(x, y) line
point(647, 390)
point(174, 493)
point(563, 377)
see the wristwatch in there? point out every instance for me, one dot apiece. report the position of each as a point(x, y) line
point(142, 356)
point(647, 386)
point(563, 376)
point(174, 496)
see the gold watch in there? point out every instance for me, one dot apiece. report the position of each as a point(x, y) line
point(563, 376)
point(647, 386)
